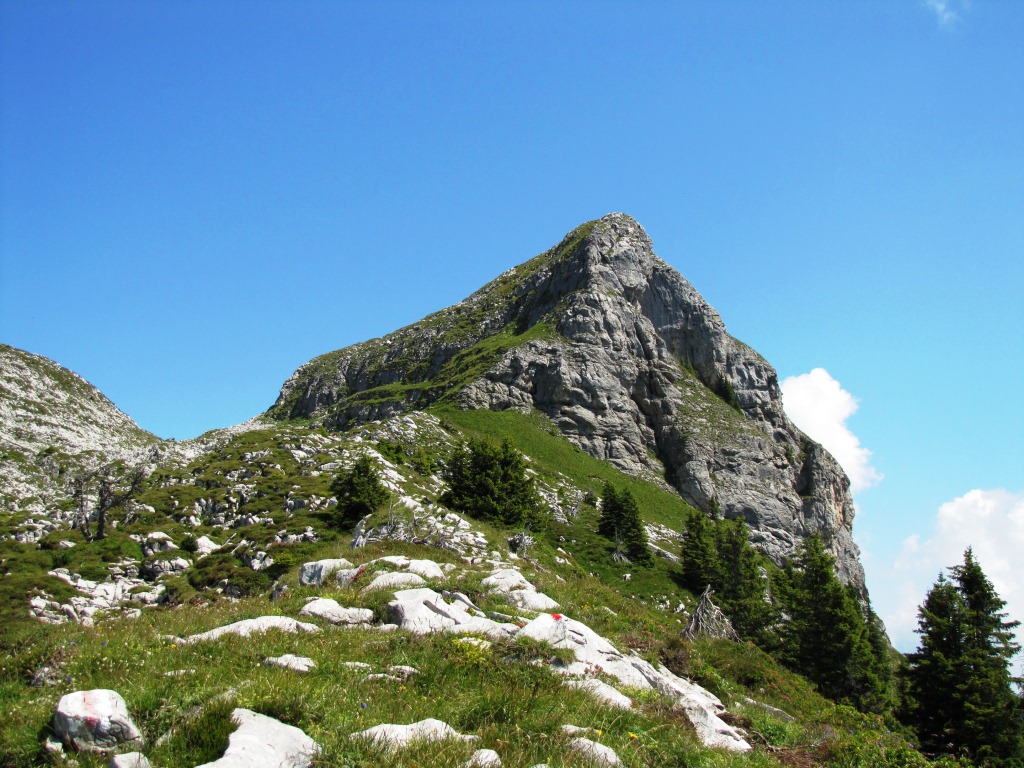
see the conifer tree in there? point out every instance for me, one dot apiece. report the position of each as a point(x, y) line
point(620, 520)
point(490, 483)
point(699, 555)
point(959, 682)
point(359, 491)
point(611, 511)
point(826, 637)
point(741, 588)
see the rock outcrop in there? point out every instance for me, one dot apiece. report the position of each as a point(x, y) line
point(629, 362)
point(52, 419)
point(95, 721)
point(263, 742)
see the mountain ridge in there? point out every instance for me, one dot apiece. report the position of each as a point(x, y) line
point(631, 364)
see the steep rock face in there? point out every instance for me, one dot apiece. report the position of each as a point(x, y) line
point(631, 364)
point(51, 417)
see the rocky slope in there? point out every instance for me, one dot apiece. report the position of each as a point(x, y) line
point(630, 363)
point(52, 421)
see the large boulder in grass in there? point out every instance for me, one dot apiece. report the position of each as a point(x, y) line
point(95, 721)
point(594, 753)
point(130, 760)
point(248, 627)
point(423, 612)
point(391, 737)
point(263, 742)
point(330, 610)
point(314, 573)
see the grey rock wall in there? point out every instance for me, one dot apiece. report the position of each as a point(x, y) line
point(636, 369)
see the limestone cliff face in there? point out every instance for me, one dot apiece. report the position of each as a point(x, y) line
point(630, 363)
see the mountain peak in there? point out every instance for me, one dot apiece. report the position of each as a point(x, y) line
point(629, 362)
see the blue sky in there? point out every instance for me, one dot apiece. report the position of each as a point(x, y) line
point(196, 198)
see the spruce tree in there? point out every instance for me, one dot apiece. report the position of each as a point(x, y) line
point(826, 638)
point(490, 482)
point(620, 520)
point(741, 589)
point(959, 681)
point(359, 491)
point(699, 555)
point(610, 518)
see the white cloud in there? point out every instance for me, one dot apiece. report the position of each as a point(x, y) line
point(947, 11)
point(820, 407)
point(992, 524)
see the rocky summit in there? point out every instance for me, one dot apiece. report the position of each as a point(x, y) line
point(494, 537)
point(631, 364)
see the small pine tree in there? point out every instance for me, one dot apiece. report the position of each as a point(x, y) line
point(610, 519)
point(620, 520)
point(740, 587)
point(490, 482)
point(699, 554)
point(359, 491)
point(958, 679)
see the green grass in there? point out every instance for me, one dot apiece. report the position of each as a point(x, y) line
point(553, 456)
point(507, 694)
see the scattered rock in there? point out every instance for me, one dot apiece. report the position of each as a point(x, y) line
point(130, 760)
point(521, 593)
point(251, 626)
point(424, 611)
point(205, 545)
point(602, 692)
point(391, 737)
point(483, 758)
point(263, 742)
point(393, 580)
point(330, 610)
point(404, 671)
point(314, 573)
point(95, 720)
point(598, 754)
point(576, 730)
point(290, 661)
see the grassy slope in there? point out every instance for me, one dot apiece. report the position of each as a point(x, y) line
point(514, 706)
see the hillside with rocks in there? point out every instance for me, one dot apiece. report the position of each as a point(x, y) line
point(228, 609)
point(226, 620)
point(54, 423)
point(629, 362)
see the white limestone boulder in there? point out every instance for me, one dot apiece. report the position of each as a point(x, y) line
point(130, 760)
point(424, 611)
point(392, 737)
point(595, 654)
point(95, 721)
point(314, 573)
point(597, 754)
point(330, 610)
point(529, 600)
point(603, 692)
point(428, 569)
point(263, 742)
point(483, 758)
point(504, 580)
point(251, 626)
point(394, 580)
point(291, 661)
point(205, 545)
